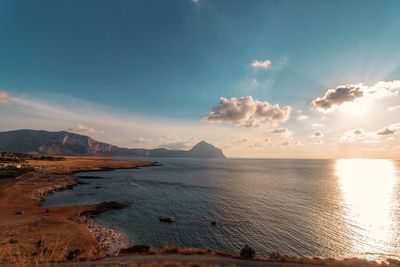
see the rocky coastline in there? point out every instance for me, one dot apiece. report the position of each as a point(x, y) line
point(32, 233)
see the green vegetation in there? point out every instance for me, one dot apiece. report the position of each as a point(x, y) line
point(8, 157)
point(13, 171)
point(12, 164)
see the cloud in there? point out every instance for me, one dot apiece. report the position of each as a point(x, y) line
point(302, 118)
point(82, 129)
point(336, 97)
point(246, 111)
point(370, 137)
point(261, 64)
point(350, 93)
point(353, 135)
point(358, 131)
point(4, 97)
point(256, 145)
point(317, 125)
point(266, 111)
point(299, 143)
point(388, 130)
point(286, 143)
point(394, 108)
point(195, 1)
point(175, 142)
point(180, 145)
point(280, 130)
point(383, 88)
point(317, 134)
point(140, 140)
point(234, 110)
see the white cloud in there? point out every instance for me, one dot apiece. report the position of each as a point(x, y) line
point(317, 125)
point(350, 93)
point(82, 129)
point(336, 97)
point(353, 135)
point(261, 64)
point(382, 88)
point(246, 111)
point(302, 118)
point(370, 137)
point(358, 132)
point(388, 130)
point(280, 130)
point(317, 134)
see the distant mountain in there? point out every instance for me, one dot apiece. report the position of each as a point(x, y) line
point(205, 150)
point(71, 144)
point(59, 143)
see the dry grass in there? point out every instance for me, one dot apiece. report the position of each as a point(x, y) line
point(171, 249)
point(350, 262)
point(47, 255)
point(175, 264)
point(50, 254)
point(16, 255)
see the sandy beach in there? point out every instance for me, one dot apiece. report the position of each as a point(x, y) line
point(29, 232)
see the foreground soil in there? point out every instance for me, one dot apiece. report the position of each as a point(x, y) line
point(176, 260)
point(29, 232)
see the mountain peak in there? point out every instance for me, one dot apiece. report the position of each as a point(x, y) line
point(206, 150)
point(202, 143)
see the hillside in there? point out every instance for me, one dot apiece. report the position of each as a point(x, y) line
point(71, 144)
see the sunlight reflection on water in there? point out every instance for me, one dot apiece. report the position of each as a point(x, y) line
point(368, 192)
point(323, 208)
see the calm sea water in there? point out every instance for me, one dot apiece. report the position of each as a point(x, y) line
point(327, 208)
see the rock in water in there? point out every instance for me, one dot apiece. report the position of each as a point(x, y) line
point(167, 219)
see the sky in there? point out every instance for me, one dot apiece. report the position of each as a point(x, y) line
point(301, 79)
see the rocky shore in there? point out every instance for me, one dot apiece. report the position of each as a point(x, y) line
point(110, 240)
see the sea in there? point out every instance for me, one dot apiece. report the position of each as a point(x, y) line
point(300, 207)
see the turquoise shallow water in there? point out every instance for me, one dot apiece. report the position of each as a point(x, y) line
point(326, 208)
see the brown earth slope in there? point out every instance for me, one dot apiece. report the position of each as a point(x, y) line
point(30, 232)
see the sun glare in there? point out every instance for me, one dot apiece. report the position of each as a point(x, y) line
point(356, 109)
point(368, 187)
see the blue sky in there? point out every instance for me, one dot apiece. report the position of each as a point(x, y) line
point(173, 60)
